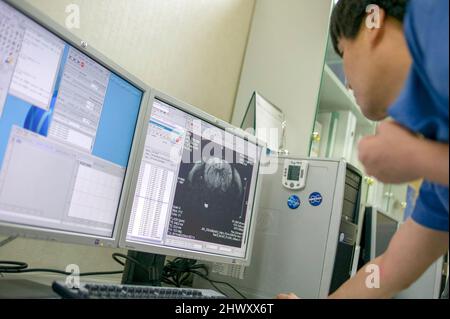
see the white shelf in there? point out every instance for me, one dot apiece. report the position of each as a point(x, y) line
point(335, 97)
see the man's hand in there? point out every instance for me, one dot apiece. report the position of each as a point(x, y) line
point(287, 296)
point(397, 156)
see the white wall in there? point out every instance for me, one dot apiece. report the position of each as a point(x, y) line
point(284, 62)
point(191, 49)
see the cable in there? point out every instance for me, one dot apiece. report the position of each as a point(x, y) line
point(215, 287)
point(7, 240)
point(213, 282)
point(17, 267)
point(101, 273)
point(178, 271)
point(61, 272)
point(116, 257)
point(146, 268)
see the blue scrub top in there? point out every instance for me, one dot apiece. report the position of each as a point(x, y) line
point(423, 104)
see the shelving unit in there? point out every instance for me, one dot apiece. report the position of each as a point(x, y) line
point(334, 96)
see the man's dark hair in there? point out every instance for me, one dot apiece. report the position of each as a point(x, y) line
point(348, 16)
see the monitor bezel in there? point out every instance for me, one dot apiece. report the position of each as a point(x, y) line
point(33, 232)
point(178, 252)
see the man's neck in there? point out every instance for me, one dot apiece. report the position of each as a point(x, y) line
point(397, 68)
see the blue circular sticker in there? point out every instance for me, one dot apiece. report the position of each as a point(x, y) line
point(315, 199)
point(294, 202)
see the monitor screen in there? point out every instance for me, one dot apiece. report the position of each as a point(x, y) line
point(386, 227)
point(66, 129)
point(195, 188)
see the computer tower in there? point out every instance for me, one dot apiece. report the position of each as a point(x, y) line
point(306, 238)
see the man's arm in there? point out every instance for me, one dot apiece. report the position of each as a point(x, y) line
point(433, 160)
point(412, 250)
point(397, 156)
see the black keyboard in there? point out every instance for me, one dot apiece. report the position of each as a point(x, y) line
point(117, 291)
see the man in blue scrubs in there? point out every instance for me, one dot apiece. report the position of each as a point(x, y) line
point(396, 59)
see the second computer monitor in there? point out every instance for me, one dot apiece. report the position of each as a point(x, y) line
point(195, 190)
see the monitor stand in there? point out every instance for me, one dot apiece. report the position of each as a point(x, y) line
point(134, 274)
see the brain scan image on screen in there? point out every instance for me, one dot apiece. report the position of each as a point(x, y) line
point(216, 192)
point(218, 177)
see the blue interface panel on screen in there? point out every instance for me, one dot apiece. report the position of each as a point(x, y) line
point(66, 130)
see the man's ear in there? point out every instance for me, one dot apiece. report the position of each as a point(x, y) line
point(375, 24)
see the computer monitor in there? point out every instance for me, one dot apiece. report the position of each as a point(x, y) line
point(264, 119)
point(377, 232)
point(67, 122)
point(195, 191)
